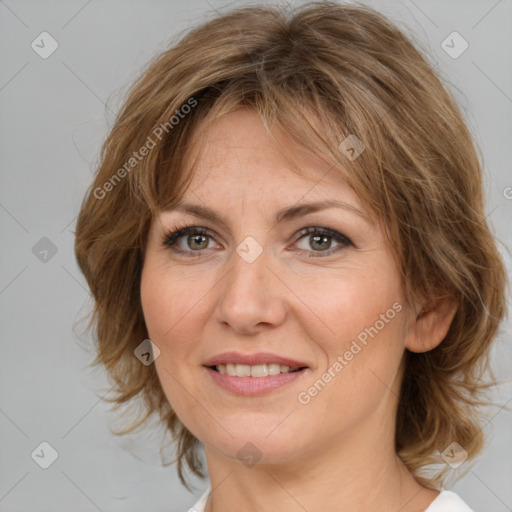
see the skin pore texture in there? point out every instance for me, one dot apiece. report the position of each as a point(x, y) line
point(337, 451)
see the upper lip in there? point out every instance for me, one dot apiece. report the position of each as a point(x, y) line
point(253, 359)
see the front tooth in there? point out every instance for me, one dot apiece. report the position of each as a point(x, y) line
point(259, 370)
point(274, 369)
point(243, 370)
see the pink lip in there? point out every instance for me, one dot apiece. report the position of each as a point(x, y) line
point(253, 359)
point(253, 386)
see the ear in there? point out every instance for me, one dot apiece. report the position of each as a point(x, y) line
point(431, 324)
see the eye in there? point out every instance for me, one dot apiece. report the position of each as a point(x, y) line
point(320, 241)
point(193, 240)
point(188, 240)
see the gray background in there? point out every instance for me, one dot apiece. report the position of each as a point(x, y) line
point(55, 114)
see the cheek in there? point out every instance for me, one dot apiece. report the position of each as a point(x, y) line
point(166, 302)
point(175, 307)
point(362, 316)
point(164, 305)
point(168, 306)
point(348, 302)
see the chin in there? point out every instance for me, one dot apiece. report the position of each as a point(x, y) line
point(261, 445)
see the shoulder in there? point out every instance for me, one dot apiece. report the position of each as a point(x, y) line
point(448, 501)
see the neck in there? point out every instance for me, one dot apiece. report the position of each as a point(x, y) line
point(354, 473)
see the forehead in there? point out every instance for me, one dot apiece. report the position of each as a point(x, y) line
point(237, 152)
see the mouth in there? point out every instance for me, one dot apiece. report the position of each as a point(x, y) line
point(258, 370)
point(254, 374)
point(254, 380)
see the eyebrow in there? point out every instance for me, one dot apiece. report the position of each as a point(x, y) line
point(284, 215)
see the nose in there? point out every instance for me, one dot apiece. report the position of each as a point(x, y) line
point(250, 297)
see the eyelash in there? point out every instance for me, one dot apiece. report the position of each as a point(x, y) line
point(170, 238)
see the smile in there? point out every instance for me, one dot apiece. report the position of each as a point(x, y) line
point(249, 385)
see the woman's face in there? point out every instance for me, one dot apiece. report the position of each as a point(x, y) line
point(255, 281)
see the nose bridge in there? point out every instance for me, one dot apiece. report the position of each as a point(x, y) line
point(247, 296)
point(248, 271)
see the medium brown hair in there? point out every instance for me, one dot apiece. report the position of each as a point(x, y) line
point(319, 73)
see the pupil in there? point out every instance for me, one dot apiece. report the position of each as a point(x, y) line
point(197, 238)
point(323, 238)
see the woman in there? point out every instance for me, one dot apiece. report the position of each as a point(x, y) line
point(324, 339)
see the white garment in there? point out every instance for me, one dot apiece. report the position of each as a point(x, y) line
point(446, 501)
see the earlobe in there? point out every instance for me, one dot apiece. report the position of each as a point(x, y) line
point(432, 324)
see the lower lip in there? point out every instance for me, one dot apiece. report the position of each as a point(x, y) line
point(252, 386)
